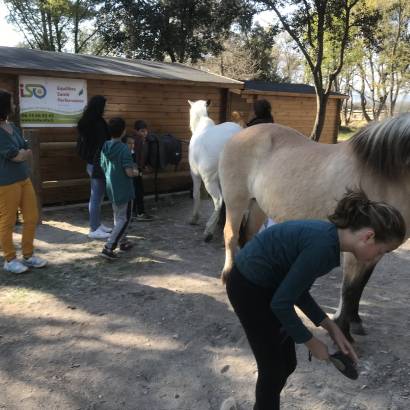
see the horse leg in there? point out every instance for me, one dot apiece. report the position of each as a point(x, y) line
point(355, 277)
point(234, 215)
point(214, 190)
point(196, 194)
point(253, 223)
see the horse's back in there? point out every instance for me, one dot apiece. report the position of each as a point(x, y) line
point(206, 146)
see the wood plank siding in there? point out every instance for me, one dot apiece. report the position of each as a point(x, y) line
point(295, 111)
point(163, 105)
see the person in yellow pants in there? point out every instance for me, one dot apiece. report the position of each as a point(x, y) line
point(16, 192)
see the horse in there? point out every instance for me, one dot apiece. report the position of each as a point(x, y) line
point(205, 147)
point(270, 170)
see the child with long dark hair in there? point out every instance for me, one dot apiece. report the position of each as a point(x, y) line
point(93, 128)
point(275, 270)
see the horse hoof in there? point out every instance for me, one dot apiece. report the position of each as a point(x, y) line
point(208, 237)
point(357, 328)
point(193, 221)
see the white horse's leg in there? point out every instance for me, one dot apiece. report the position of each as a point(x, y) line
point(196, 193)
point(214, 190)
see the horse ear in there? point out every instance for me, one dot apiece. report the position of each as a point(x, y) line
point(208, 103)
point(190, 102)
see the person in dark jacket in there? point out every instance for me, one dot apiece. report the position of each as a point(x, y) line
point(275, 270)
point(263, 113)
point(93, 128)
point(140, 134)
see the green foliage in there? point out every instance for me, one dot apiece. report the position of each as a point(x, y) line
point(54, 25)
point(180, 30)
point(322, 30)
point(246, 55)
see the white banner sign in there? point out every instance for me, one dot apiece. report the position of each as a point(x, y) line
point(51, 102)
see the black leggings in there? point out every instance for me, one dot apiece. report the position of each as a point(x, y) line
point(138, 207)
point(274, 351)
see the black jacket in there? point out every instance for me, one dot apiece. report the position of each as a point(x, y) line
point(260, 120)
point(95, 133)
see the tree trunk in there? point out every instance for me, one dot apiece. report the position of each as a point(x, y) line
point(321, 103)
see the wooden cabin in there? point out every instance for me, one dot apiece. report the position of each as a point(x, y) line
point(153, 91)
point(293, 105)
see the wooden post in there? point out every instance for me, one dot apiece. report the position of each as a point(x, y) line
point(33, 139)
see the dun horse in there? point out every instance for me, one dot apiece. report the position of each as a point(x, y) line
point(205, 149)
point(275, 171)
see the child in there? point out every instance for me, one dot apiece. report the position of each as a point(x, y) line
point(118, 167)
point(275, 270)
point(140, 135)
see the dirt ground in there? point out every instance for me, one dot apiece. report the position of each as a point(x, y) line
point(155, 331)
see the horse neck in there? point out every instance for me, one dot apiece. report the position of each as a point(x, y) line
point(199, 123)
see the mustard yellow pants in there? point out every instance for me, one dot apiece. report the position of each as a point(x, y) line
point(19, 195)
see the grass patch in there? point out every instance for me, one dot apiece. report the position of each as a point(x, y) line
point(345, 133)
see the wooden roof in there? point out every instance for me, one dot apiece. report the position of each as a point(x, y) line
point(262, 87)
point(36, 62)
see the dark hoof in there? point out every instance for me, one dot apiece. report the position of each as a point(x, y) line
point(208, 237)
point(357, 328)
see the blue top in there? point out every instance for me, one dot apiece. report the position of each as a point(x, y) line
point(10, 145)
point(115, 157)
point(288, 257)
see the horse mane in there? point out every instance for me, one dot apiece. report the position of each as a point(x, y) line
point(384, 146)
point(198, 116)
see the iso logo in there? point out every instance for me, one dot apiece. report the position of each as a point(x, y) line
point(30, 90)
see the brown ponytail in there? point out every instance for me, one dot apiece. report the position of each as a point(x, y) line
point(355, 211)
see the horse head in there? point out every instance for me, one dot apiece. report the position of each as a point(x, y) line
point(198, 112)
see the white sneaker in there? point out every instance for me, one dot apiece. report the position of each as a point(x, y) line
point(34, 262)
point(98, 234)
point(105, 228)
point(14, 266)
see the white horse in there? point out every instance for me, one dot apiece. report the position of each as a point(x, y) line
point(205, 147)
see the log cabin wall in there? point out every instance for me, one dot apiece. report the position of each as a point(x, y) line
point(163, 106)
point(297, 111)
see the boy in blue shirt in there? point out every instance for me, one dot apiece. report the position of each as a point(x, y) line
point(119, 171)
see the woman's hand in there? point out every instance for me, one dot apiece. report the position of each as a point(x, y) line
point(23, 155)
point(318, 349)
point(339, 338)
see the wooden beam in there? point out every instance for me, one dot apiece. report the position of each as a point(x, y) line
point(32, 137)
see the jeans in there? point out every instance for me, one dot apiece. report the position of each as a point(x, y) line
point(96, 197)
point(274, 351)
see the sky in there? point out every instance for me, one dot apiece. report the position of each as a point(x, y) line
point(8, 35)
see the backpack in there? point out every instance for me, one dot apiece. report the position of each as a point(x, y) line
point(162, 151)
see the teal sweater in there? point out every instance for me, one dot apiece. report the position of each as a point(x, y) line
point(288, 258)
point(115, 157)
point(10, 145)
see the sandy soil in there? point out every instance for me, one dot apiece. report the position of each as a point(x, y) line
point(155, 331)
